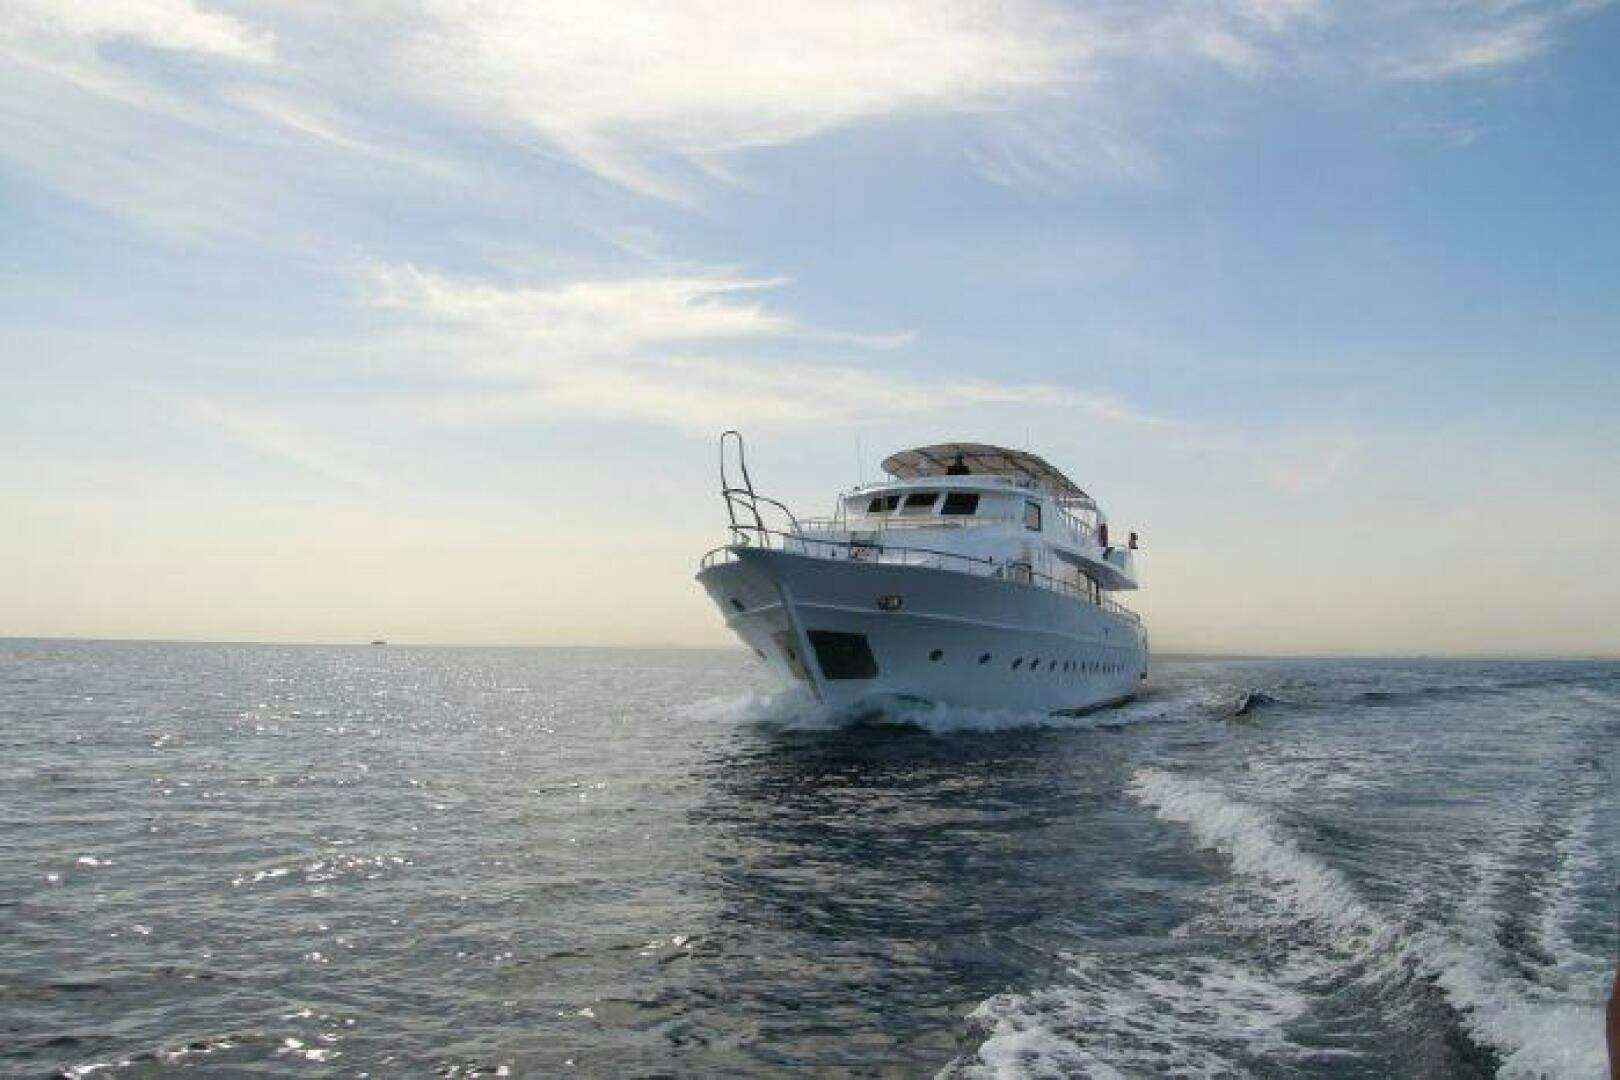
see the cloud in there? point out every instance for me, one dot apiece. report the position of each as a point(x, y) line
point(188, 119)
point(584, 317)
point(623, 87)
point(279, 439)
point(702, 395)
point(1475, 51)
point(178, 25)
point(1449, 40)
point(664, 96)
point(683, 351)
point(1308, 466)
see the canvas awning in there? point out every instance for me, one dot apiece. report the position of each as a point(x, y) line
point(982, 459)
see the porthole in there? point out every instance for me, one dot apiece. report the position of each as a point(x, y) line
point(936, 654)
point(1017, 663)
point(736, 603)
point(760, 653)
point(984, 659)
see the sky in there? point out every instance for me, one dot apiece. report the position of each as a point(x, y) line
point(418, 319)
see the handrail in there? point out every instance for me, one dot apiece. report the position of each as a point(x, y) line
point(743, 498)
point(901, 555)
point(857, 550)
point(885, 522)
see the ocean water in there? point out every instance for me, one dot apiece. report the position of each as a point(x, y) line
point(256, 860)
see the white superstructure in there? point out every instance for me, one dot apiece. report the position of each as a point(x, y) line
point(975, 575)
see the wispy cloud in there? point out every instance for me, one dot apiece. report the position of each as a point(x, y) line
point(1308, 466)
point(679, 351)
point(1442, 40)
point(280, 439)
point(180, 25)
point(188, 118)
point(593, 317)
point(1475, 50)
point(628, 88)
point(702, 395)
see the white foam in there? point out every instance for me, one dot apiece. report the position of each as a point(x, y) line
point(1577, 860)
point(1138, 1016)
point(1321, 770)
point(777, 705)
point(946, 719)
point(1538, 1031)
point(1259, 849)
point(793, 709)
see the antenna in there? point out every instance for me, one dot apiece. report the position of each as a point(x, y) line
point(860, 468)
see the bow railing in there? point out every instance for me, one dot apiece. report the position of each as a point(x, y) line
point(871, 551)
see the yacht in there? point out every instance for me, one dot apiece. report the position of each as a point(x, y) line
point(972, 575)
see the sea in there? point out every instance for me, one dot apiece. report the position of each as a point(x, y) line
point(379, 861)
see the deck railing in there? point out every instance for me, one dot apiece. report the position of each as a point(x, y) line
point(797, 543)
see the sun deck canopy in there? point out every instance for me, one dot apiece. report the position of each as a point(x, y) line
point(982, 459)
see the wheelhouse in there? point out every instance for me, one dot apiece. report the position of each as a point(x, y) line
point(954, 504)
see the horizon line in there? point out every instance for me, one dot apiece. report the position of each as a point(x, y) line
point(726, 647)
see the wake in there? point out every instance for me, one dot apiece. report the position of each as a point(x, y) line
point(1539, 1030)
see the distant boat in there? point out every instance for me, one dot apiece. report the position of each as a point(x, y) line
point(976, 575)
point(379, 641)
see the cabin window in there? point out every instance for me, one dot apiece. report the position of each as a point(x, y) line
point(919, 502)
point(960, 503)
point(883, 504)
point(1032, 515)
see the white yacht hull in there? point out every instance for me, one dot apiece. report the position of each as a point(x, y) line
point(951, 637)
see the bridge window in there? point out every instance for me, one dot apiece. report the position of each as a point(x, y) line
point(883, 504)
point(1032, 515)
point(919, 502)
point(960, 503)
